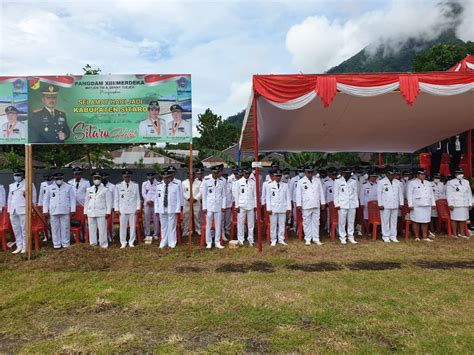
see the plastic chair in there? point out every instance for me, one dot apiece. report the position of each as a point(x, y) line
point(464, 164)
point(374, 217)
point(77, 230)
point(425, 162)
point(266, 219)
point(37, 226)
point(299, 223)
point(5, 226)
point(444, 165)
point(444, 216)
point(333, 219)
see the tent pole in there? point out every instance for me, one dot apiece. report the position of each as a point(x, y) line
point(257, 177)
point(469, 152)
point(238, 157)
point(28, 196)
point(191, 202)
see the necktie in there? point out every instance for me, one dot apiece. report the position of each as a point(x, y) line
point(77, 186)
point(278, 185)
point(165, 201)
point(96, 189)
point(18, 185)
point(127, 185)
point(460, 182)
point(215, 182)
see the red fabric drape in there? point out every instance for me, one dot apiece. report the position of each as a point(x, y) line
point(283, 88)
point(409, 88)
point(463, 64)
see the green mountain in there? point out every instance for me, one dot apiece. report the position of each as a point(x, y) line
point(401, 61)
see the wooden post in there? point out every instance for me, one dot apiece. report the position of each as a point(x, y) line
point(469, 153)
point(257, 177)
point(191, 202)
point(28, 196)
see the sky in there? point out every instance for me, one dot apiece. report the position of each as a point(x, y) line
point(220, 43)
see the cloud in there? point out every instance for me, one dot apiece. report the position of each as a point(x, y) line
point(318, 43)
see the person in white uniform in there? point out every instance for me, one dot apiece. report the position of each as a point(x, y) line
point(279, 208)
point(245, 206)
point(273, 168)
point(213, 192)
point(107, 184)
point(459, 195)
point(127, 205)
point(3, 198)
point(17, 209)
point(293, 182)
point(149, 193)
point(97, 207)
point(346, 201)
point(229, 200)
point(310, 199)
point(196, 186)
point(368, 192)
point(439, 192)
point(47, 181)
point(390, 200)
point(168, 206)
point(80, 185)
point(421, 201)
point(60, 205)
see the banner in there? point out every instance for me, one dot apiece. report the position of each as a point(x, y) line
point(110, 109)
point(94, 109)
point(13, 110)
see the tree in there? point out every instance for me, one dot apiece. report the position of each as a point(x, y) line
point(216, 134)
point(441, 57)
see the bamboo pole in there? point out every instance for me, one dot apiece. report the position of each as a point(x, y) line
point(28, 196)
point(191, 197)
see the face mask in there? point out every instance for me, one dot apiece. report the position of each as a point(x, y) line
point(17, 178)
point(406, 178)
point(286, 176)
point(436, 180)
point(460, 176)
point(49, 182)
point(300, 175)
point(59, 181)
point(366, 176)
point(97, 182)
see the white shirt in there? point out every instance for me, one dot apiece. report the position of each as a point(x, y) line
point(80, 189)
point(458, 193)
point(174, 192)
point(293, 183)
point(420, 194)
point(98, 201)
point(345, 193)
point(16, 200)
point(213, 192)
point(149, 190)
point(196, 190)
point(310, 194)
point(3, 197)
point(127, 197)
point(245, 194)
point(439, 190)
point(328, 187)
point(59, 199)
point(278, 197)
point(390, 194)
point(42, 191)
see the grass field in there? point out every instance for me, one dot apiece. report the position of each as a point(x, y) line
point(411, 297)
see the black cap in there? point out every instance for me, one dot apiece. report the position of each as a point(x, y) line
point(459, 171)
point(11, 109)
point(77, 170)
point(390, 171)
point(246, 170)
point(58, 175)
point(286, 170)
point(165, 173)
point(175, 108)
point(171, 169)
point(309, 168)
point(346, 169)
point(96, 173)
point(153, 104)
point(127, 172)
point(275, 164)
point(437, 176)
point(372, 173)
point(18, 172)
point(199, 171)
point(278, 172)
point(151, 173)
point(215, 169)
point(420, 171)
point(50, 90)
point(104, 174)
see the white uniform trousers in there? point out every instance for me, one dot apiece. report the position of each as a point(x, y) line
point(277, 227)
point(127, 219)
point(346, 217)
point(197, 218)
point(217, 216)
point(295, 221)
point(99, 223)
point(311, 224)
point(61, 230)
point(227, 220)
point(389, 218)
point(168, 230)
point(18, 225)
point(150, 211)
point(250, 215)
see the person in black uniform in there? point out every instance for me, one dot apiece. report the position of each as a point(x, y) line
point(48, 124)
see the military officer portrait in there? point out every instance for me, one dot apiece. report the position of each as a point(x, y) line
point(13, 128)
point(153, 125)
point(178, 127)
point(48, 124)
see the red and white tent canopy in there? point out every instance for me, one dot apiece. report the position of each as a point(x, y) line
point(465, 65)
point(394, 112)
